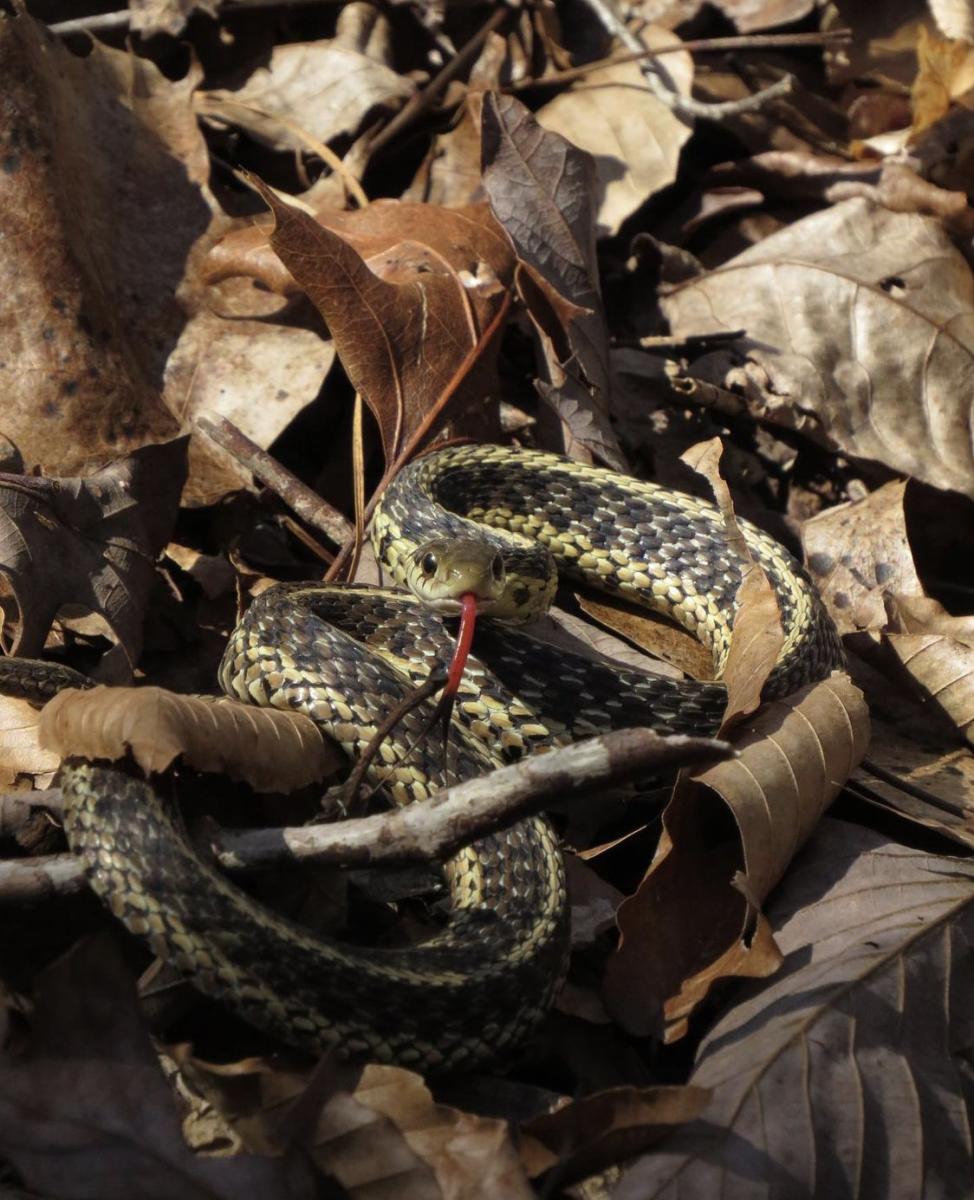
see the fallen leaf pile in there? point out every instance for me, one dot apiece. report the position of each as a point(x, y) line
point(255, 258)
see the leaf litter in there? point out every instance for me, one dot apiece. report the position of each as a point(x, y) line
point(484, 219)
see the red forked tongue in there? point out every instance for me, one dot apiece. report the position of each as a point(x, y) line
point(468, 617)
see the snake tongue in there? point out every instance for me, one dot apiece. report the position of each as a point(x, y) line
point(461, 651)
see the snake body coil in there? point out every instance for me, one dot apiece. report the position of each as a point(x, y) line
point(346, 655)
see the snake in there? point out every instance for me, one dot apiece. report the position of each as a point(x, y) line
point(506, 524)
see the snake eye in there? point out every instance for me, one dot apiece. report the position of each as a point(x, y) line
point(497, 567)
point(429, 564)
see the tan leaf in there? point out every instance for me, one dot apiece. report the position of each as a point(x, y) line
point(858, 329)
point(90, 542)
point(694, 917)
point(20, 750)
point(674, 646)
point(326, 88)
point(840, 1076)
point(270, 750)
point(857, 553)
point(635, 138)
point(943, 669)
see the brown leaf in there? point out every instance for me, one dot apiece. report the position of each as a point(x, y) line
point(272, 751)
point(404, 321)
point(587, 1135)
point(694, 917)
point(100, 203)
point(85, 1110)
point(541, 189)
point(841, 1075)
point(858, 328)
point(90, 542)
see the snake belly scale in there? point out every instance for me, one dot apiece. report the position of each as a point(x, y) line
point(346, 655)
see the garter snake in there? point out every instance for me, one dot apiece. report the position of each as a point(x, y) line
point(345, 655)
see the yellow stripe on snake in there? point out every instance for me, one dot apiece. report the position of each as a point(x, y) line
point(347, 655)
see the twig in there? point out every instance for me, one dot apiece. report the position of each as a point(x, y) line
point(664, 88)
point(28, 880)
point(459, 815)
point(413, 700)
point(420, 832)
point(309, 506)
point(756, 41)
point(423, 100)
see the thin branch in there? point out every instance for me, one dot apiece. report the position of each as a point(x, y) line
point(755, 41)
point(29, 880)
point(663, 87)
point(423, 100)
point(309, 506)
point(459, 815)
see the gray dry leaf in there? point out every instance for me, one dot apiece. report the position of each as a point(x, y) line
point(848, 1073)
point(859, 329)
point(541, 189)
point(636, 139)
point(88, 542)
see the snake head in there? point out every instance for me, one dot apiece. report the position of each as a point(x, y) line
point(445, 569)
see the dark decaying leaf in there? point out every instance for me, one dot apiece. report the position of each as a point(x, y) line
point(848, 1073)
point(86, 1113)
point(541, 189)
point(91, 542)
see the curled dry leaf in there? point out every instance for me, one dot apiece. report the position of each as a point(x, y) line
point(377, 1133)
point(939, 662)
point(859, 330)
point(844, 1075)
point(541, 189)
point(858, 553)
point(588, 1135)
point(89, 542)
point(403, 321)
point(85, 1109)
point(323, 89)
point(635, 138)
point(272, 751)
point(694, 917)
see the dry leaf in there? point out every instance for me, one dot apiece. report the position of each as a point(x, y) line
point(403, 321)
point(20, 751)
point(90, 542)
point(857, 554)
point(86, 1112)
point(844, 1075)
point(859, 329)
point(272, 751)
point(324, 89)
point(691, 921)
point(635, 138)
point(541, 189)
